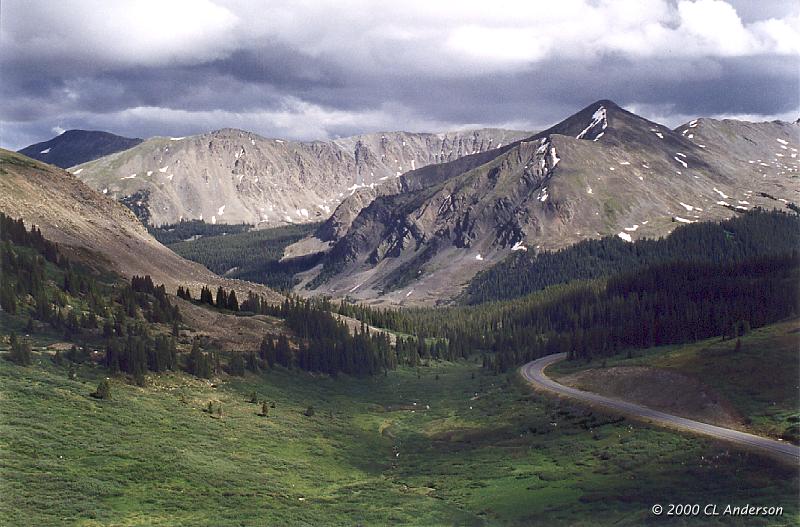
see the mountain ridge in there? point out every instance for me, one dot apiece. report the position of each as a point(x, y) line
point(233, 176)
point(74, 147)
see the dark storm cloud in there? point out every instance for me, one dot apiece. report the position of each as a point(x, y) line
point(313, 71)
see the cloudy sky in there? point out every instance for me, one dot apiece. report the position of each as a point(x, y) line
point(316, 69)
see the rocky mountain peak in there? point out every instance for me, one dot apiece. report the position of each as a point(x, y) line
point(602, 171)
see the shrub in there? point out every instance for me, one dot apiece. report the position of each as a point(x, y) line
point(103, 390)
point(20, 351)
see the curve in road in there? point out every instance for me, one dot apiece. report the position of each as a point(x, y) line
point(533, 372)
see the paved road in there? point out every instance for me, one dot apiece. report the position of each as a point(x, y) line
point(533, 372)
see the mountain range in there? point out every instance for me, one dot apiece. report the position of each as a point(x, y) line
point(411, 218)
point(233, 176)
point(602, 171)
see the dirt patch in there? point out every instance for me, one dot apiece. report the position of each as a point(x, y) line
point(663, 390)
point(229, 332)
point(354, 325)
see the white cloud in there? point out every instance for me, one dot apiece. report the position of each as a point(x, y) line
point(780, 35)
point(501, 35)
point(407, 36)
point(122, 32)
point(713, 27)
point(313, 69)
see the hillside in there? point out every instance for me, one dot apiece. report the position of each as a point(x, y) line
point(74, 147)
point(452, 446)
point(752, 377)
point(95, 229)
point(233, 176)
point(603, 171)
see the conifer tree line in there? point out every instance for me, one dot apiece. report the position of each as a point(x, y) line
point(668, 303)
point(655, 304)
point(326, 344)
point(254, 255)
point(172, 233)
point(112, 318)
point(223, 299)
point(755, 233)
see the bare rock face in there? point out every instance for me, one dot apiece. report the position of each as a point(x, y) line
point(232, 176)
point(603, 171)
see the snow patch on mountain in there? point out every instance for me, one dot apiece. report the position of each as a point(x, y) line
point(599, 119)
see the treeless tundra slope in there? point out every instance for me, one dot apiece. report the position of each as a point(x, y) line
point(96, 229)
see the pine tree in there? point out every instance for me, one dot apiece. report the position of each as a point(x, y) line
point(236, 365)
point(233, 304)
point(103, 390)
point(8, 300)
point(222, 298)
point(205, 296)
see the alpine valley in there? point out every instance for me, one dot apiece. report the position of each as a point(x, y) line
point(480, 327)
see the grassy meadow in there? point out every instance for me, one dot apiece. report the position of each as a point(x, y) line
point(443, 445)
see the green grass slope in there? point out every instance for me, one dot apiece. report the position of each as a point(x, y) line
point(445, 445)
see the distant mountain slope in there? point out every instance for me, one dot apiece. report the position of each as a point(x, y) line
point(603, 171)
point(96, 229)
point(233, 176)
point(74, 147)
